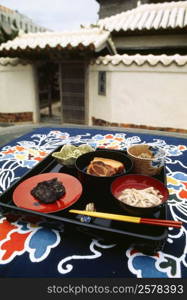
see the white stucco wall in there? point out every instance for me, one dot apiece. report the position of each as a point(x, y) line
point(141, 95)
point(145, 41)
point(18, 91)
point(100, 106)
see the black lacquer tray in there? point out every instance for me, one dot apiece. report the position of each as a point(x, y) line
point(146, 238)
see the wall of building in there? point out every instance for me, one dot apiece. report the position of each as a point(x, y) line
point(151, 42)
point(13, 18)
point(112, 7)
point(140, 96)
point(18, 94)
point(100, 106)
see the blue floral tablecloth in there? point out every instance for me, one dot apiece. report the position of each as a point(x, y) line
point(27, 250)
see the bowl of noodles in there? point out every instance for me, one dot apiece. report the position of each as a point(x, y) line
point(139, 195)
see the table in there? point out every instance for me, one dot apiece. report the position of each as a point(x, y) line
point(30, 251)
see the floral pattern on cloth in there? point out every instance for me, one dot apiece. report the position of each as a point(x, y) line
point(20, 237)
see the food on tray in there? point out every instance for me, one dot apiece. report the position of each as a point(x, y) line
point(146, 155)
point(48, 191)
point(90, 207)
point(147, 197)
point(69, 153)
point(100, 166)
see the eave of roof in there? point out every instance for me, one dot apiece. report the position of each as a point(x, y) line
point(92, 39)
point(5, 61)
point(138, 59)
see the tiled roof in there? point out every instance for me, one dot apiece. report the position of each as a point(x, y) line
point(160, 16)
point(94, 39)
point(140, 60)
point(4, 61)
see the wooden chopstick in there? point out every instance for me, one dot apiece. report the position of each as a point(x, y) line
point(160, 222)
point(131, 219)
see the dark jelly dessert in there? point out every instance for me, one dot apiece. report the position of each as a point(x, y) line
point(48, 191)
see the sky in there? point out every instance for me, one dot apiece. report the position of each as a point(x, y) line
point(57, 14)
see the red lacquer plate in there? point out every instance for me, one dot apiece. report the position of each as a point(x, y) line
point(23, 198)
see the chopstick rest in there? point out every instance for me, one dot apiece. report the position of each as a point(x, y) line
point(131, 219)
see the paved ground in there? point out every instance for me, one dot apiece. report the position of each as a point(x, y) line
point(12, 132)
point(8, 133)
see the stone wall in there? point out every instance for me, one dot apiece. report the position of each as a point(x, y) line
point(18, 94)
point(16, 117)
point(100, 122)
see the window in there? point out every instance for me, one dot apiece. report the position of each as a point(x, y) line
point(26, 27)
point(14, 22)
point(2, 18)
point(102, 83)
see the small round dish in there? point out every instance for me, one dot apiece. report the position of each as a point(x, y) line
point(22, 194)
point(148, 160)
point(137, 181)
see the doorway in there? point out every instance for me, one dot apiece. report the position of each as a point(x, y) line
point(72, 91)
point(49, 92)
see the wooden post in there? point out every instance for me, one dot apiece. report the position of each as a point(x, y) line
point(61, 90)
point(86, 93)
point(36, 115)
point(50, 100)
